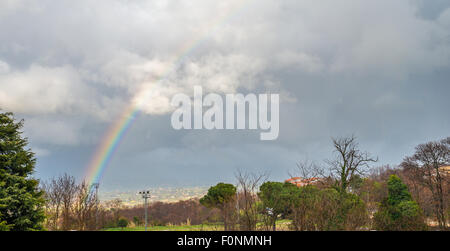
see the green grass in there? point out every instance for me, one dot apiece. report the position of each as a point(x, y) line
point(281, 225)
point(211, 227)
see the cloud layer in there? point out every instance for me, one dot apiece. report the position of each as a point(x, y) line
point(378, 69)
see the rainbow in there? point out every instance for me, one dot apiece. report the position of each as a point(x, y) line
point(116, 132)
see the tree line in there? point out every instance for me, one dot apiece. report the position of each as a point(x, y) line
point(350, 195)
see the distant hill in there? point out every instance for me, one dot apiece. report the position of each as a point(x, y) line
point(164, 194)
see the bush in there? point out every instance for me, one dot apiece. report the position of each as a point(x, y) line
point(314, 209)
point(398, 212)
point(137, 221)
point(122, 223)
point(354, 213)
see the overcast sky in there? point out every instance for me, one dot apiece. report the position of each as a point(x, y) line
point(376, 69)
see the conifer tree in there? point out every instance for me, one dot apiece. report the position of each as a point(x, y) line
point(21, 201)
point(399, 212)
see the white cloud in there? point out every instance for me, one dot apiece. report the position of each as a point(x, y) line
point(215, 72)
point(41, 90)
point(9, 5)
point(4, 67)
point(299, 61)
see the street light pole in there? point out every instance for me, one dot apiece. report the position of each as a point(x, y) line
point(145, 195)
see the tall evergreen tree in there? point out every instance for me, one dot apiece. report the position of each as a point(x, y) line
point(21, 201)
point(398, 211)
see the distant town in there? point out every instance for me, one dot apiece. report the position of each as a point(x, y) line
point(163, 194)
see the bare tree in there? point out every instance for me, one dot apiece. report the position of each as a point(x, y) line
point(70, 205)
point(307, 170)
point(67, 186)
point(349, 161)
point(60, 195)
point(114, 207)
point(86, 207)
point(426, 165)
point(248, 184)
point(53, 195)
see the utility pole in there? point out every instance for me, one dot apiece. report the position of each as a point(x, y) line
point(145, 195)
point(95, 186)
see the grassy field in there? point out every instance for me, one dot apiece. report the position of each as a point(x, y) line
point(170, 228)
point(281, 225)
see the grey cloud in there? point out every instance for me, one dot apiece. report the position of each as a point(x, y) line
point(378, 69)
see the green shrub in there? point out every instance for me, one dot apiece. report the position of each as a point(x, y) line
point(398, 212)
point(122, 223)
point(315, 209)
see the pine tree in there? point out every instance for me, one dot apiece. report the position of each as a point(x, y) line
point(21, 201)
point(221, 196)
